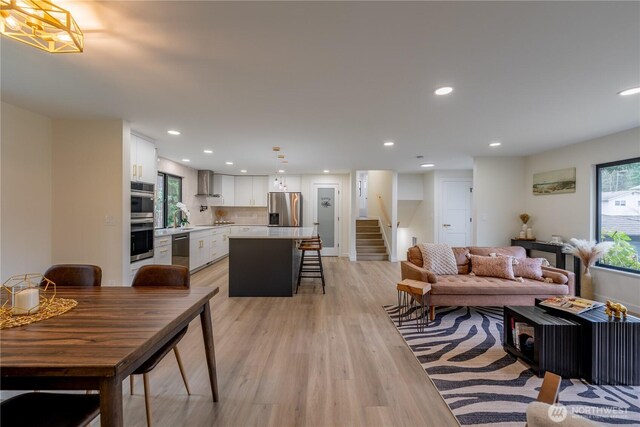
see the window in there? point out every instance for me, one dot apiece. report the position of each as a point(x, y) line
point(168, 193)
point(619, 180)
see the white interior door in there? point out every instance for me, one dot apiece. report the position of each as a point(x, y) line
point(326, 216)
point(363, 177)
point(455, 213)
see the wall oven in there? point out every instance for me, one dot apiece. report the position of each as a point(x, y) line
point(141, 238)
point(142, 196)
point(142, 226)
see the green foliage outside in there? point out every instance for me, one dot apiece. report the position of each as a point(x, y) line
point(622, 254)
point(174, 195)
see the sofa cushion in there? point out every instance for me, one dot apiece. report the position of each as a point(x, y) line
point(514, 251)
point(462, 260)
point(501, 267)
point(477, 285)
point(529, 268)
point(438, 257)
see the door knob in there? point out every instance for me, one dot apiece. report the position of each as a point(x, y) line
point(316, 223)
point(446, 225)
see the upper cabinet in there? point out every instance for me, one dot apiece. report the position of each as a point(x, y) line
point(251, 191)
point(143, 166)
point(224, 185)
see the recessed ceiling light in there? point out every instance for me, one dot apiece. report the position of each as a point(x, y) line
point(631, 91)
point(280, 170)
point(228, 163)
point(445, 90)
point(173, 132)
point(495, 144)
point(276, 148)
point(186, 160)
point(388, 143)
point(427, 165)
point(243, 170)
point(208, 151)
point(326, 171)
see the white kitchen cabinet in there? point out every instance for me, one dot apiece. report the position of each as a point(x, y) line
point(224, 185)
point(225, 240)
point(143, 160)
point(162, 250)
point(251, 191)
point(199, 248)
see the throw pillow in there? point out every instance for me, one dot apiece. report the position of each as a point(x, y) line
point(438, 257)
point(492, 266)
point(462, 260)
point(531, 268)
point(555, 277)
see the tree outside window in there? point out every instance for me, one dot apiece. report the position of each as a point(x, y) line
point(618, 213)
point(168, 193)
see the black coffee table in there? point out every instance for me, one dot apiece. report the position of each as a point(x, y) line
point(556, 341)
point(609, 348)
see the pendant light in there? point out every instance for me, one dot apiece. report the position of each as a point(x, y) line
point(41, 24)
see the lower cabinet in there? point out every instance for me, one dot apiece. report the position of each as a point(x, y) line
point(162, 250)
point(199, 249)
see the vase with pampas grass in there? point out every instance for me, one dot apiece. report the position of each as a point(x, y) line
point(589, 252)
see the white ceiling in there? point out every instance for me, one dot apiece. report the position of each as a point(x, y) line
point(329, 82)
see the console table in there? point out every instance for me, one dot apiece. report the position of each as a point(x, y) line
point(535, 245)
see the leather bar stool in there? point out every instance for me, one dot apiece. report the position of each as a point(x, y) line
point(170, 276)
point(310, 261)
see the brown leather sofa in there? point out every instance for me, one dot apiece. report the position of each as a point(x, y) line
point(467, 290)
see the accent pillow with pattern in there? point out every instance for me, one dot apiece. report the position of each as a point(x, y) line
point(501, 266)
point(439, 258)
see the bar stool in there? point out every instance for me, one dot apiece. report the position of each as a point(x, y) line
point(310, 261)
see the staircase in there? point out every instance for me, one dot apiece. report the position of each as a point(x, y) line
point(369, 242)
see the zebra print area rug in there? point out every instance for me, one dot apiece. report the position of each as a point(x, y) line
point(462, 352)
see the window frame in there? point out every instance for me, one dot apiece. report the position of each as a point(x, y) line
point(165, 203)
point(598, 221)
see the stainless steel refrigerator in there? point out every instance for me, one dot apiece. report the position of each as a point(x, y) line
point(285, 209)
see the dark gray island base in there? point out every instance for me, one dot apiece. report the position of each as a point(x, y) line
point(265, 265)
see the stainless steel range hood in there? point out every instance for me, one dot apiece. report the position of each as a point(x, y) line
point(205, 184)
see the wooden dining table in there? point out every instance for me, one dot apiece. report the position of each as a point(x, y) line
point(97, 344)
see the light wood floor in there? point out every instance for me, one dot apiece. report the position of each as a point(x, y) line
point(310, 360)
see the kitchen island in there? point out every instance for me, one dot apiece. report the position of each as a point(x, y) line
point(264, 262)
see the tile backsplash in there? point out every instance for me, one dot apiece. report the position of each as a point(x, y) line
point(238, 215)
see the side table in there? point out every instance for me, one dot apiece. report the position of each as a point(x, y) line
point(411, 299)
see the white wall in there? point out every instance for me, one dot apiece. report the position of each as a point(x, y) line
point(572, 215)
point(25, 218)
point(90, 187)
point(498, 199)
point(344, 198)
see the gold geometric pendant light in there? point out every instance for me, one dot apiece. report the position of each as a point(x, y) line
point(41, 24)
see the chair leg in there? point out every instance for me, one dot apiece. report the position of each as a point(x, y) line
point(182, 372)
point(432, 312)
point(147, 398)
point(300, 270)
point(321, 270)
point(131, 385)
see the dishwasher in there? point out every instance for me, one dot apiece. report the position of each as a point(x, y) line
point(180, 249)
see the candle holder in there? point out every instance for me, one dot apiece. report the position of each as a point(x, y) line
point(28, 298)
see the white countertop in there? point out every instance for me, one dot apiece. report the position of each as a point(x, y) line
point(292, 233)
point(179, 230)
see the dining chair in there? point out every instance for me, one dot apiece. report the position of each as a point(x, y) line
point(74, 275)
point(49, 410)
point(169, 276)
